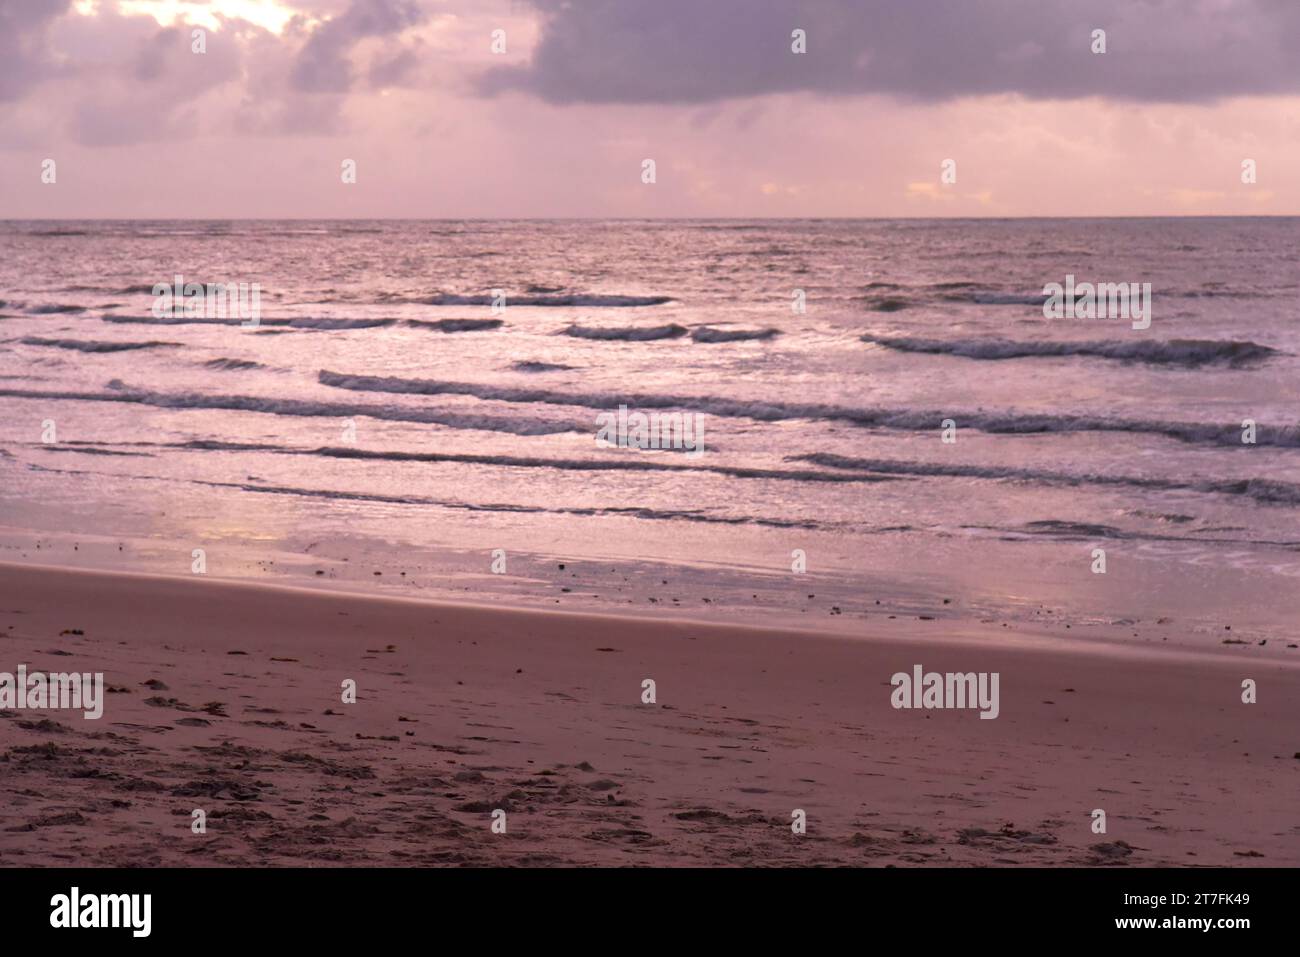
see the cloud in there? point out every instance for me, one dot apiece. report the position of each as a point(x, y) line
point(134, 81)
point(111, 78)
point(395, 69)
point(323, 65)
point(688, 51)
point(25, 58)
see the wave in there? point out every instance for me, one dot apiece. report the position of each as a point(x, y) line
point(456, 325)
point(233, 365)
point(629, 463)
point(1183, 352)
point(311, 323)
point(54, 309)
point(1058, 528)
point(1007, 298)
point(698, 515)
point(172, 321)
point(298, 407)
point(528, 365)
point(86, 346)
point(627, 333)
point(567, 299)
point(86, 449)
point(914, 420)
point(302, 323)
point(894, 297)
point(631, 511)
point(1087, 531)
point(115, 290)
point(1209, 292)
point(713, 334)
point(1264, 491)
point(1037, 298)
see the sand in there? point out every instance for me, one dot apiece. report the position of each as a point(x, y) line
point(228, 700)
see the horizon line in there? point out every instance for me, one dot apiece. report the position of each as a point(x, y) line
point(630, 219)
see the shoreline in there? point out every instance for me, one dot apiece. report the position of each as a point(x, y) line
point(465, 709)
point(824, 603)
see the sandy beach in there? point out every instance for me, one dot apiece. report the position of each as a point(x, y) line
point(226, 697)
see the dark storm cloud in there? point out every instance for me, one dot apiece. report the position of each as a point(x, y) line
point(323, 66)
point(690, 51)
point(24, 58)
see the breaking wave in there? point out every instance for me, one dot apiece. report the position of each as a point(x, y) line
point(81, 345)
point(233, 365)
point(627, 333)
point(54, 309)
point(695, 515)
point(529, 365)
point(455, 325)
point(1264, 491)
point(916, 420)
point(520, 425)
point(627, 463)
point(1182, 352)
point(567, 299)
point(304, 323)
point(713, 334)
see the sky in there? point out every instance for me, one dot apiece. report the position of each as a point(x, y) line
point(559, 119)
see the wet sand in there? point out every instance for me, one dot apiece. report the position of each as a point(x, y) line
point(226, 697)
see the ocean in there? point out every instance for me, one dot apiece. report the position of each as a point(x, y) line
point(416, 412)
